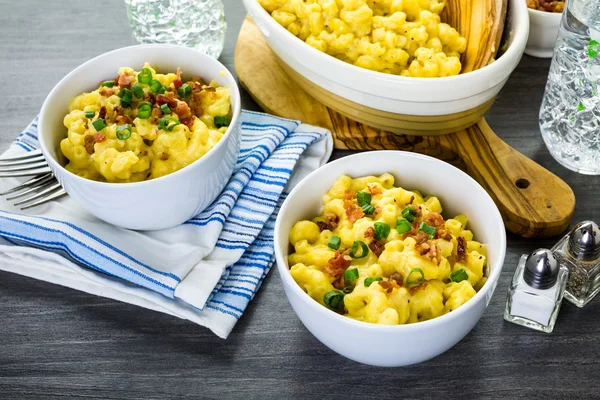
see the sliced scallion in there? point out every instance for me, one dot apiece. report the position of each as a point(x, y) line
point(382, 230)
point(403, 226)
point(350, 274)
point(459, 275)
point(334, 242)
point(334, 299)
point(369, 281)
point(354, 251)
point(419, 281)
point(99, 124)
point(123, 132)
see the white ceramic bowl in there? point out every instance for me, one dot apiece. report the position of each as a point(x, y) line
point(404, 344)
point(543, 30)
point(159, 203)
point(390, 93)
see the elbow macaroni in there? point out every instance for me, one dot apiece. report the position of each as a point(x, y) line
point(401, 37)
point(415, 277)
point(196, 122)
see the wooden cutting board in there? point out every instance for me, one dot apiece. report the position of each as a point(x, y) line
point(533, 201)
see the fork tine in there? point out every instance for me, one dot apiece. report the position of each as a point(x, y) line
point(24, 167)
point(41, 186)
point(33, 181)
point(43, 193)
point(55, 196)
point(5, 163)
point(31, 154)
point(33, 172)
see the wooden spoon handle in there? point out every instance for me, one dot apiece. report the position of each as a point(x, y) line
point(533, 201)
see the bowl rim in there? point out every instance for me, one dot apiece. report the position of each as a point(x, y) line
point(236, 107)
point(288, 280)
point(545, 13)
point(499, 64)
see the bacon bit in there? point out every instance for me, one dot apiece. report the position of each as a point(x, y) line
point(102, 113)
point(155, 114)
point(461, 249)
point(353, 210)
point(116, 80)
point(434, 219)
point(415, 289)
point(164, 156)
point(396, 279)
point(122, 119)
point(377, 210)
point(196, 79)
point(373, 189)
point(162, 99)
point(177, 83)
point(182, 109)
point(369, 233)
point(148, 142)
point(422, 248)
point(443, 234)
point(412, 198)
point(150, 97)
point(377, 247)
point(187, 121)
point(106, 91)
point(338, 264)
point(88, 143)
point(331, 222)
point(197, 87)
point(420, 237)
point(100, 137)
point(125, 80)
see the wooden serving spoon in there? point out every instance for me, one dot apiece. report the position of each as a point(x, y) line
point(533, 201)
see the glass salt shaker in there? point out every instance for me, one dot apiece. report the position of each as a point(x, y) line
point(536, 291)
point(579, 251)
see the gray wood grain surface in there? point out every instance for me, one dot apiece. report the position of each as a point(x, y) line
point(59, 342)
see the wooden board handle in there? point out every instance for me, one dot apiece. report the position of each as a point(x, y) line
point(532, 200)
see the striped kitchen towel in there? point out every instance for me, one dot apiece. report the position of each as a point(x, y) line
point(206, 270)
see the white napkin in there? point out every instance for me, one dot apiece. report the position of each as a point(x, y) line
point(206, 270)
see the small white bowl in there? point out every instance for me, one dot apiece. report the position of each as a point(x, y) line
point(392, 93)
point(543, 30)
point(159, 203)
point(399, 345)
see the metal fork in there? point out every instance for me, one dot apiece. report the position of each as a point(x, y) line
point(40, 189)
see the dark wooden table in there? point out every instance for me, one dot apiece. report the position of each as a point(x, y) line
point(56, 341)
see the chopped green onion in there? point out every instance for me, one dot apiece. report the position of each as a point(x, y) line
point(144, 110)
point(409, 214)
point(162, 90)
point(403, 226)
point(184, 90)
point(108, 83)
point(123, 132)
point(126, 96)
point(99, 124)
point(165, 123)
point(334, 299)
point(351, 274)
point(363, 247)
point(363, 198)
point(155, 86)
point(368, 209)
point(138, 91)
point(382, 230)
point(428, 229)
point(369, 281)
point(145, 76)
point(459, 275)
point(348, 289)
point(165, 109)
point(334, 242)
point(417, 282)
point(221, 121)
point(89, 114)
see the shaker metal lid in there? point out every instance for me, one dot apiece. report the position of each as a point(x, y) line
point(584, 241)
point(541, 269)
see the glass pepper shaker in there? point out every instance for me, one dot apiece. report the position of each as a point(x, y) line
point(579, 251)
point(536, 291)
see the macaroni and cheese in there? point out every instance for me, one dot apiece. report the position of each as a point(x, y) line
point(401, 37)
point(385, 255)
point(143, 125)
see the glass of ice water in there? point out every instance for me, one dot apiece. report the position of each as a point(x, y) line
point(570, 113)
point(199, 24)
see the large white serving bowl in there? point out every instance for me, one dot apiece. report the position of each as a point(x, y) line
point(390, 93)
point(543, 30)
point(159, 203)
point(398, 345)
